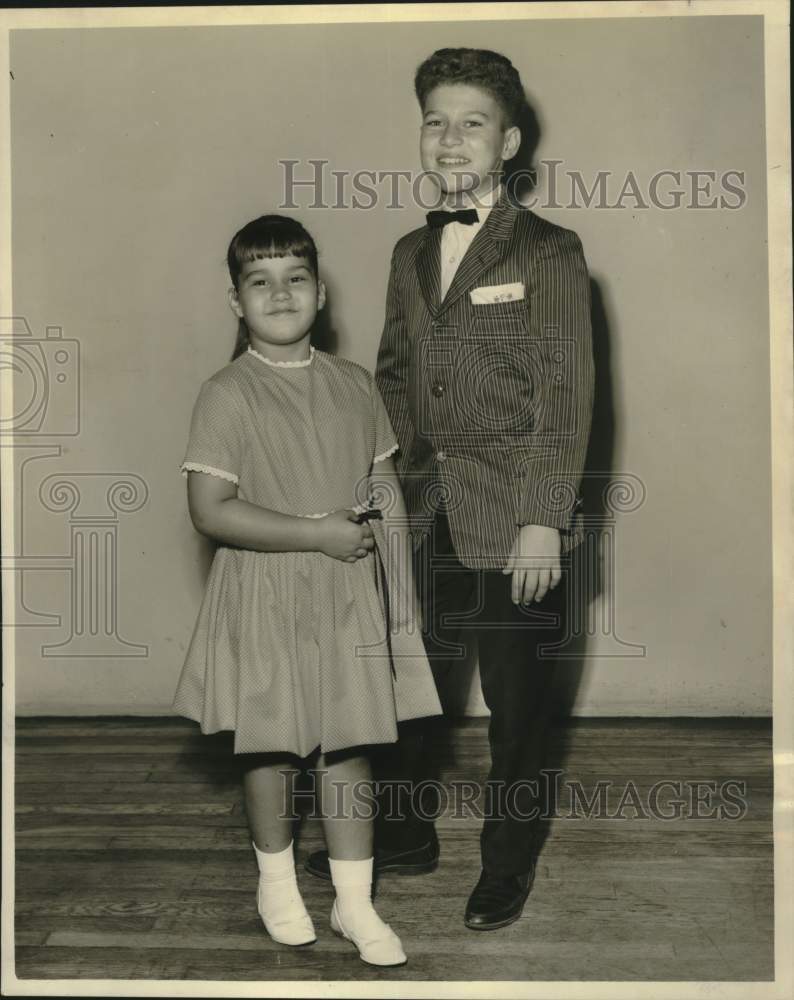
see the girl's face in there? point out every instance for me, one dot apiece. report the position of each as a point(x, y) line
point(278, 297)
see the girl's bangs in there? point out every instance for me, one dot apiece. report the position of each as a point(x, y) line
point(294, 247)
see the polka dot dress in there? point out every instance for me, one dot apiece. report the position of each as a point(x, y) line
point(289, 649)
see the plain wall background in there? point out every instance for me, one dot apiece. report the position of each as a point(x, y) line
point(136, 154)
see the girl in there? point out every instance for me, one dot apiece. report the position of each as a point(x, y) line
point(291, 649)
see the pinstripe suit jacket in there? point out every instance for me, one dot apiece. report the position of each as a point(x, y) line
point(491, 404)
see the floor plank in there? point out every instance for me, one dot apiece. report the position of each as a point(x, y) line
point(133, 861)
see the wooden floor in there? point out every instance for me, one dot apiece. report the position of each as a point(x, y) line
point(133, 861)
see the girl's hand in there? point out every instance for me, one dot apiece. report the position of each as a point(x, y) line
point(341, 537)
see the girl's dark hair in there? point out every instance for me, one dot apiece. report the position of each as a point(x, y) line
point(267, 236)
point(482, 68)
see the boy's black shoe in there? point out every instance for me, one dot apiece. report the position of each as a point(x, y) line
point(416, 861)
point(497, 900)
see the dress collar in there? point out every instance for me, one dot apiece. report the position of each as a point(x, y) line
point(283, 364)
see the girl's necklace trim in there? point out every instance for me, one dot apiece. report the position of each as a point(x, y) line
point(283, 364)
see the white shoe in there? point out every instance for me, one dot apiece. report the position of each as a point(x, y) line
point(377, 944)
point(287, 922)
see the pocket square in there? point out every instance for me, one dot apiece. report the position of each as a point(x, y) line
point(490, 294)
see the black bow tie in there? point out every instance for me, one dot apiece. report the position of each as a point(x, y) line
point(467, 216)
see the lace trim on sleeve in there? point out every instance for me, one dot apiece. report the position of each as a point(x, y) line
point(385, 454)
point(210, 470)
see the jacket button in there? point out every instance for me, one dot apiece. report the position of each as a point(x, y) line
point(438, 389)
point(441, 456)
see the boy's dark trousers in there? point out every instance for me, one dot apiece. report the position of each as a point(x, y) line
point(515, 675)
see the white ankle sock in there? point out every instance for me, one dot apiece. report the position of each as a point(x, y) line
point(275, 866)
point(355, 917)
point(353, 884)
point(352, 874)
point(279, 897)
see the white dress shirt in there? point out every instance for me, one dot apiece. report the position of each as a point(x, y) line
point(456, 238)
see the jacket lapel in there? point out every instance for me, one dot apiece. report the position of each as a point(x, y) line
point(486, 248)
point(428, 269)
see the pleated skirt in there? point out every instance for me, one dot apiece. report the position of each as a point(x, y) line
point(289, 651)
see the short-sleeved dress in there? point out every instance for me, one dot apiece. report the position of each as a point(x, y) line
point(289, 649)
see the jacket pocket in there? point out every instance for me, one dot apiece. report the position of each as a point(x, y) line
point(500, 320)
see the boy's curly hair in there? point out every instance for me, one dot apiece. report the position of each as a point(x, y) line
point(491, 71)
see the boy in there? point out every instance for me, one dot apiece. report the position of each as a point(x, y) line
point(485, 367)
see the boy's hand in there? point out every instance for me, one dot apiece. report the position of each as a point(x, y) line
point(341, 537)
point(534, 562)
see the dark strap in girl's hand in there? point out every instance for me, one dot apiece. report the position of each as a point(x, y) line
point(381, 580)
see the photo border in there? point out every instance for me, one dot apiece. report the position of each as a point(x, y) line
point(778, 158)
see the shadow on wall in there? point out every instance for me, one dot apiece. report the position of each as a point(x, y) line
point(587, 571)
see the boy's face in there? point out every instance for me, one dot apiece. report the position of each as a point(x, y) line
point(278, 297)
point(464, 142)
